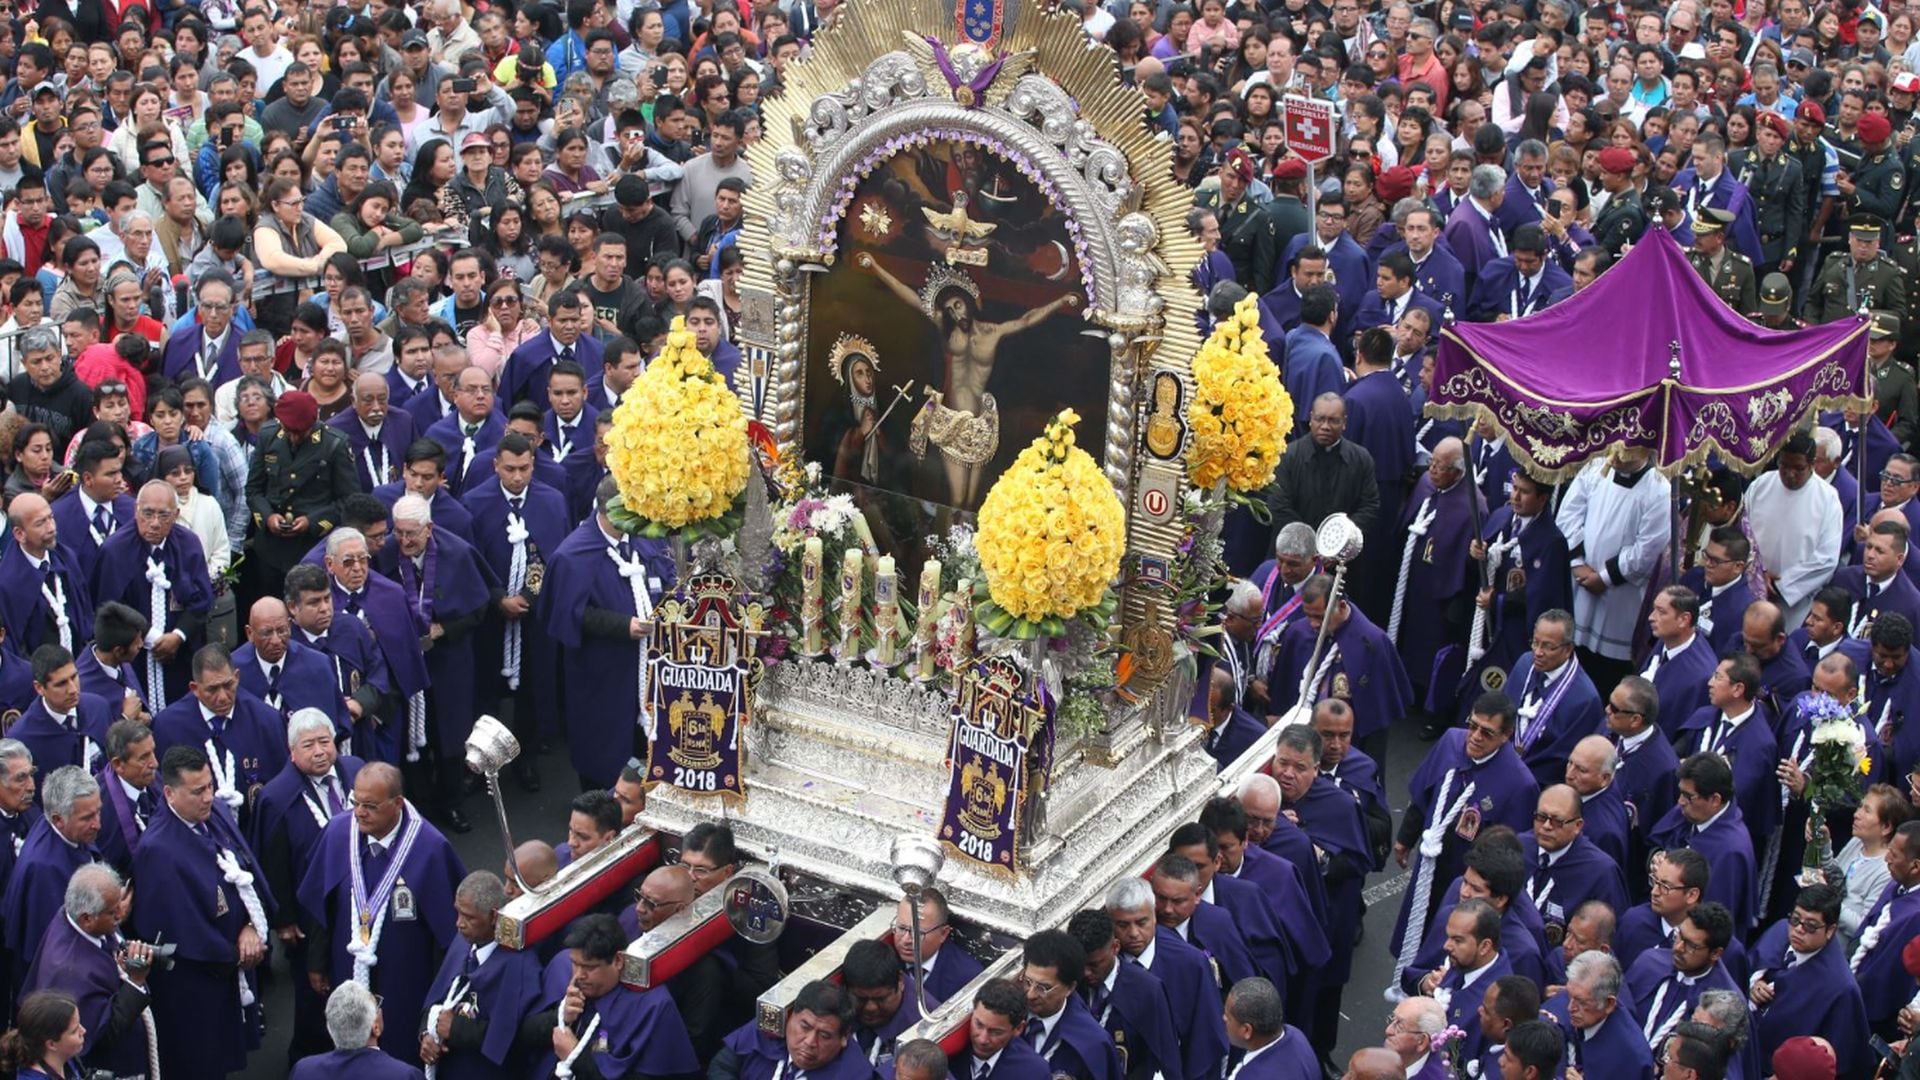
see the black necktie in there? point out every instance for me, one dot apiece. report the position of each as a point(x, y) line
point(143, 807)
point(273, 685)
point(353, 604)
point(219, 725)
point(472, 430)
point(566, 352)
point(472, 963)
point(516, 502)
point(626, 551)
point(102, 520)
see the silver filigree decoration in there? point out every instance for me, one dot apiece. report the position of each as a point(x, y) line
point(892, 77)
point(1102, 166)
point(1139, 266)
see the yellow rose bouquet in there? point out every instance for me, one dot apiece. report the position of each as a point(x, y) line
point(1051, 534)
point(679, 447)
point(1240, 413)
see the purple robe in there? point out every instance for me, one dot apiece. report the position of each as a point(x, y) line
point(1463, 1007)
point(71, 962)
point(1546, 730)
point(1754, 756)
point(1721, 610)
point(1893, 707)
point(378, 461)
point(1213, 930)
point(1290, 1057)
point(1504, 793)
point(600, 669)
point(524, 376)
point(365, 1063)
point(1380, 418)
point(121, 822)
point(37, 888)
point(121, 574)
point(449, 432)
point(381, 605)
point(574, 455)
point(24, 610)
point(443, 509)
point(1885, 985)
point(1542, 559)
point(78, 532)
point(1192, 989)
point(409, 948)
point(110, 685)
point(1898, 595)
point(1880, 445)
point(1782, 679)
point(1640, 931)
point(285, 829)
point(1816, 996)
point(1367, 673)
point(1646, 782)
point(182, 894)
point(1654, 973)
point(1018, 1061)
point(306, 681)
point(1359, 776)
point(1332, 819)
point(1607, 826)
point(54, 743)
point(1580, 872)
point(641, 1034)
point(1681, 681)
point(1729, 194)
point(253, 734)
point(545, 517)
point(1079, 1047)
point(494, 996)
point(1226, 741)
point(359, 669)
point(1279, 930)
point(450, 587)
point(1730, 864)
point(1138, 1016)
point(1616, 1049)
point(1469, 238)
point(1518, 943)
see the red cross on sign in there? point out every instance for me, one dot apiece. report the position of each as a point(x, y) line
point(1309, 127)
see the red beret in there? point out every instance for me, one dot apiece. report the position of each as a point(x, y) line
point(1777, 123)
point(1800, 1058)
point(1395, 184)
point(1811, 110)
point(1618, 160)
point(1292, 168)
point(1875, 128)
point(1239, 163)
point(296, 410)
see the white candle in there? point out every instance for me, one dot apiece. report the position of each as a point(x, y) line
point(886, 611)
point(811, 609)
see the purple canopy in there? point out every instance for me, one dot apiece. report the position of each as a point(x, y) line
point(1646, 356)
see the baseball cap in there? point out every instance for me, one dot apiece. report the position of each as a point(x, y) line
point(474, 139)
point(1803, 57)
point(45, 88)
point(413, 38)
point(1907, 82)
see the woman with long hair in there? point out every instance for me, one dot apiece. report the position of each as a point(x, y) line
point(1258, 107)
point(287, 165)
point(33, 463)
point(681, 280)
point(1468, 82)
point(342, 272)
point(557, 263)
point(1365, 212)
point(508, 241)
point(369, 224)
point(237, 200)
point(1410, 135)
point(1179, 28)
point(253, 401)
point(433, 169)
point(330, 379)
point(198, 512)
point(46, 1039)
point(431, 266)
point(293, 354)
point(291, 246)
point(149, 110)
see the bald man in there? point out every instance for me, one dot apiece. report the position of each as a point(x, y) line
point(400, 953)
point(1435, 590)
point(377, 433)
point(537, 862)
point(1564, 868)
point(1784, 672)
point(700, 991)
point(44, 596)
point(1590, 770)
point(159, 569)
point(284, 673)
point(1374, 1063)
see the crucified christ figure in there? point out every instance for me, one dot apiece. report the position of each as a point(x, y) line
point(962, 420)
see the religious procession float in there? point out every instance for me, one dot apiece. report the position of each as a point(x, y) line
point(945, 559)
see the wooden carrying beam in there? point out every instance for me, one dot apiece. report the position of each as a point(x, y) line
point(577, 888)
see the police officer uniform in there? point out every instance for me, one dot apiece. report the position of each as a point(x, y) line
point(1776, 302)
point(300, 469)
point(1879, 181)
point(1246, 233)
point(1895, 399)
point(1846, 285)
point(1727, 272)
point(1779, 197)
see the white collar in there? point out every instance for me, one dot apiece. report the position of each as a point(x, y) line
point(1047, 1024)
point(87, 504)
point(992, 1061)
point(1145, 958)
point(1113, 977)
point(1418, 1064)
point(1251, 1054)
point(1673, 650)
point(1549, 859)
point(1736, 721)
point(1548, 678)
point(1470, 977)
point(484, 952)
point(1632, 742)
point(1182, 929)
point(1889, 579)
point(926, 964)
point(1207, 895)
point(1482, 760)
point(1485, 214)
point(612, 540)
point(508, 495)
point(1708, 824)
point(386, 840)
point(207, 714)
point(266, 666)
point(372, 433)
point(133, 793)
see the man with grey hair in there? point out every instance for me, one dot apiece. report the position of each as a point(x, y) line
point(1726, 1012)
point(381, 607)
point(289, 815)
point(46, 391)
point(1603, 1039)
point(129, 791)
point(1473, 234)
point(159, 568)
point(1257, 1024)
point(435, 563)
point(355, 1023)
point(1410, 1031)
point(82, 954)
point(1278, 579)
point(483, 992)
point(1240, 619)
point(60, 844)
point(1528, 189)
point(1185, 970)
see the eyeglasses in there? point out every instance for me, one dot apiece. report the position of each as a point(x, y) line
point(353, 560)
point(111, 386)
point(1041, 988)
point(1681, 943)
point(699, 871)
point(160, 163)
point(1548, 819)
point(905, 930)
point(1894, 478)
point(505, 299)
point(1616, 710)
point(1811, 926)
point(1484, 731)
point(1654, 884)
point(1543, 645)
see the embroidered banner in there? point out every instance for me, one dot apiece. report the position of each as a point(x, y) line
point(701, 671)
point(1002, 743)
